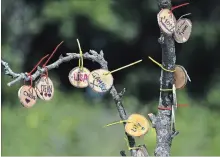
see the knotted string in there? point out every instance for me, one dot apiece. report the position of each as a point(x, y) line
point(29, 74)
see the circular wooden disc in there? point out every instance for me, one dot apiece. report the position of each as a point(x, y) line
point(28, 96)
point(166, 21)
point(183, 30)
point(137, 125)
point(44, 88)
point(79, 78)
point(100, 82)
point(180, 77)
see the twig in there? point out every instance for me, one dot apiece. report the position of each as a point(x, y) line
point(162, 122)
point(91, 55)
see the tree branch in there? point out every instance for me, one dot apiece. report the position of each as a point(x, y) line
point(162, 122)
point(91, 55)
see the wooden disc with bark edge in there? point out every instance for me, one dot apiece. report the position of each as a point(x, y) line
point(28, 96)
point(137, 119)
point(79, 78)
point(44, 88)
point(99, 82)
point(166, 21)
point(183, 30)
point(180, 77)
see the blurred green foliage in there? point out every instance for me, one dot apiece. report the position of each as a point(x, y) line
point(72, 123)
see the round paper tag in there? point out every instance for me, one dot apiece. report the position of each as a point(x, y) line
point(183, 30)
point(28, 96)
point(180, 77)
point(166, 21)
point(137, 125)
point(99, 81)
point(79, 77)
point(44, 88)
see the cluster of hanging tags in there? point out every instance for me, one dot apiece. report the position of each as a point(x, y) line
point(137, 125)
point(101, 80)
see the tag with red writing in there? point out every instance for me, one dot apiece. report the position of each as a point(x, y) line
point(166, 21)
point(79, 77)
point(183, 30)
point(27, 96)
point(44, 88)
point(100, 80)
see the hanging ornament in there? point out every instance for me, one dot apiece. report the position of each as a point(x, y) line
point(27, 96)
point(44, 88)
point(180, 77)
point(137, 125)
point(79, 77)
point(183, 30)
point(166, 21)
point(100, 80)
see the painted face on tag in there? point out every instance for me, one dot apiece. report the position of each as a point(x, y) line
point(79, 77)
point(180, 77)
point(44, 88)
point(137, 125)
point(99, 81)
point(166, 21)
point(28, 96)
point(183, 30)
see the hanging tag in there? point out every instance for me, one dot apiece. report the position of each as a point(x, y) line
point(174, 96)
point(27, 96)
point(180, 77)
point(100, 80)
point(78, 77)
point(166, 21)
point(44, 88)
point(183, 30)
point(137, 125)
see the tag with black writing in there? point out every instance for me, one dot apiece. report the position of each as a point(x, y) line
point(166, 21)
point(183, 30)
point(44, 88)
point(137, 125)
point(100, 80)
point(27, 96)
point(79, 77)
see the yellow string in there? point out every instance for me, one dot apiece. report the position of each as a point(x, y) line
point(118, 122)
point(130, 148)
point(81, 56)
point(165, 90)
point(160, 65)
point(123, 67)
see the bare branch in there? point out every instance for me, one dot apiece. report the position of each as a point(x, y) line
point(162, 122)
point(91, 55)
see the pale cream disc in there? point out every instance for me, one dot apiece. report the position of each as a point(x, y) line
point(180, 77)
point(28, 96)
point(137, 125)
point(166, 21)
point(44, 88)
point(183, 30)
point(99, 81)
point(79, 77)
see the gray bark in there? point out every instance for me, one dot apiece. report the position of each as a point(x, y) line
point(162, 122)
